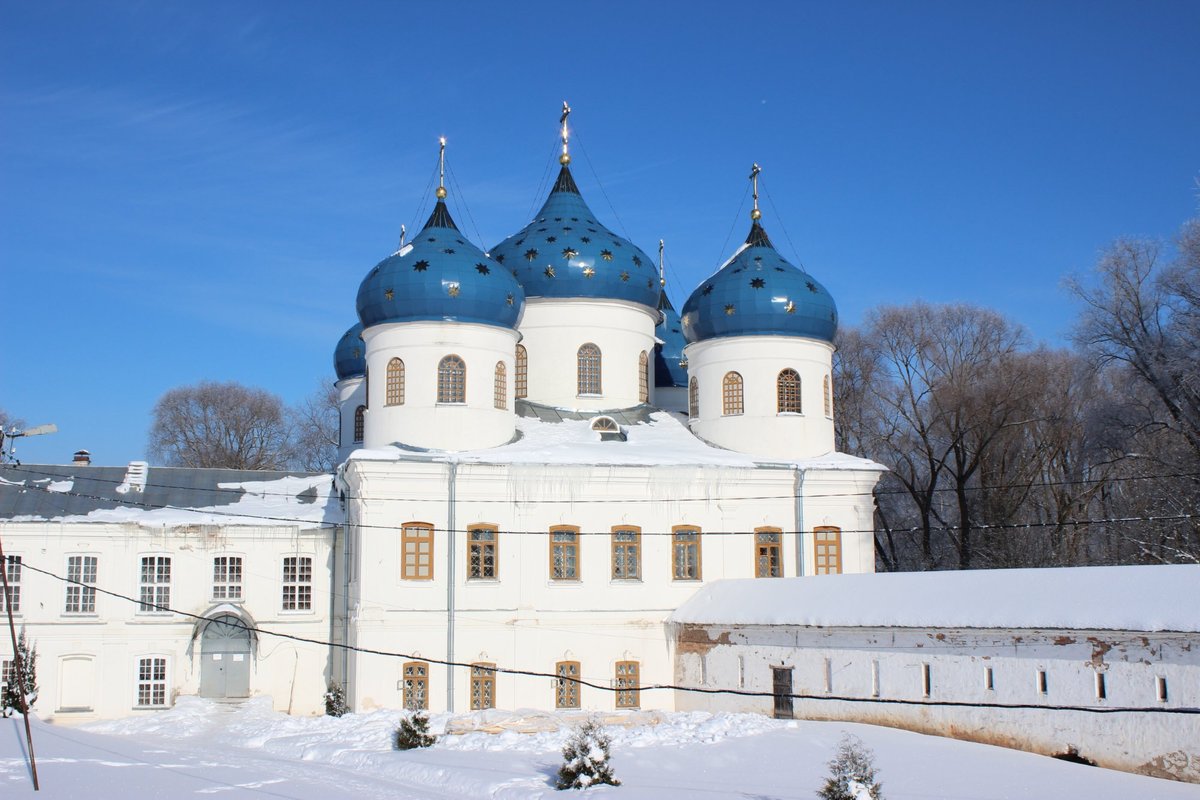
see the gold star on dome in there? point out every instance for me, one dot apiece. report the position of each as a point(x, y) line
point(569, 253)
point(452, 290)
point(357, 353)
point(588, 272)
point(549, 272)
point(509, 299)
point(606, 255)
point(388, 294)
point(729, 309)
point(790, 307)
point(624, 275)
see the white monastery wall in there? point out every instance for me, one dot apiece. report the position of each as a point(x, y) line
point(88, 662)
point(761, 429)
point(845, 669)
point(553, 330)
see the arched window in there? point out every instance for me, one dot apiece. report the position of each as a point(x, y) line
point(395, 383)
point(644, 377)
point(828, 398)
point(452, 380)
point(731, 394)
point(360, 415)
point(589, 369)
point(789, 391)
point(693, 398)
point(501, 391)
point(522, 376)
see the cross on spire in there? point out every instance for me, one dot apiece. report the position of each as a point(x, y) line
point(565, 158)
point(662, 280)
point(754, 170)
point(441, 190)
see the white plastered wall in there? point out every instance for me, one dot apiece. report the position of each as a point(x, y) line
point(554, 329)
point(421, 421)
point(761, 429)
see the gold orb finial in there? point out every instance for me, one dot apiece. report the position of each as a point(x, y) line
point(564, 159)
point(756, 215)
point(441, 193)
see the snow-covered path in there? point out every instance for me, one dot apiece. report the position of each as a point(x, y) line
point(201, 749)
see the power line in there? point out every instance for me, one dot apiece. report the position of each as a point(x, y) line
point(601, 686)
point(981, 527)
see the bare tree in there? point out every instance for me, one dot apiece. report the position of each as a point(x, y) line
point(221, 425)
point(315, 424)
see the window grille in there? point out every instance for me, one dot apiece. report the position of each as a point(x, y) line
point(626, 554)
point(155, 584)
point(693, 398)
point(297, 583)
point(828, 398)
point(521, 379)
point(483, 686)
point(685, 561)
point(395, 383)
point(416, 686)
point(13, 568)
point(788, 386)
point(81, 592)
point(152, 682)
point(452, 380)
point(629, 693)
point(589, 369)
point(564, 554)
point(227, 578)
point(566, 685)
point(731, 394)
point(481, 553)
point(768, 553)
point(360, 415)
point(644, 377)
point(501, 389)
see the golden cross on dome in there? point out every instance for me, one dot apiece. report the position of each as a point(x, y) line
point(565, 158)
point(441, 190)
point(754, 170)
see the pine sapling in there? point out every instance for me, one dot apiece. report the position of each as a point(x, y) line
point(20, 692)
point(852, 773)
point(585, 760)
point(335, 700)
point(413, 732)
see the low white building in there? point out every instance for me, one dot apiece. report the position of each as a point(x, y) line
point(100, 559)
point(1105, 660)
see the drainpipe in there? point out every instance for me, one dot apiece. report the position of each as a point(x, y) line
point(799, 492)
point(452, 476)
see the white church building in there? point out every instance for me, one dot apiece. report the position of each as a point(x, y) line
point(541, 461)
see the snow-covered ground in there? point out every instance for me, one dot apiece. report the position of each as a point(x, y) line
point(200, 748)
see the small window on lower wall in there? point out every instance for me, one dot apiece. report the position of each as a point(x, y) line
point(360, 423)
point(566, 685)
point(628, 685)
point(989, 679)
point(152, 682)
point(1101, 687)
point(827, 546)
point(926, 680)
point(1043, 686)
point(483, 686)
point(1160, 688)
point(416, 686)
point(768, 553)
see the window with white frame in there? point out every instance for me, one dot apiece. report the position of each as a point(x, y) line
point(297, 583)
point(155, 584)
point(81, 585)
point(152, 682)
point(13, 568)
point(8, 674)
point(227, 578)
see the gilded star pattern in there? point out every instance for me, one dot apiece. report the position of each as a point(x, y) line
point(509, 299)
point(569, 252)
point(790, 307)
point(624, 275)
point(729, 309)
point(588, 272)
point(388, 294)
point(549, 272)
point(606, 255)
point(531, 255)
point(452, 290)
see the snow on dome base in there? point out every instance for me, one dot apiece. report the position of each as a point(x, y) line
point(565, 252)
point(440, 276)
point(759, 293)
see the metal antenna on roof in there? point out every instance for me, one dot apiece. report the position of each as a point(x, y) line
point(755, 215)
point(441, 190)
point(662, 280)
point(565, 158)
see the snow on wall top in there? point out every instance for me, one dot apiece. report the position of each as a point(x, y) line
point(170, 496)
point(1138, 598)
point(653, 438)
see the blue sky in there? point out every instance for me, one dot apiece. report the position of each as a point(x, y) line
point(194, 191)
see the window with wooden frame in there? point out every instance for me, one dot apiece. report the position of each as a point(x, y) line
point(788, 388)
point(155, 584)
point(521, 379)
point(685, 553)
point(693, 398)
point(227, 578)
point(564, 553)
point(394, 396)
point(731, 394)
point(452, 380)
point(628, 685)
point(828, 397)
point(13, 568)
point(81, 586)
point(360, 422)
point(416, 551)
point(481, 552)
point(626, 553)
point(768, 553)
point(152, 682)
point(644, 377)
point(566, 684)
point(416, 686)
point(589, 369)
point(483, 686)
point(827, 545)
point(297, 583)
point(500, 391)
point(8, 674)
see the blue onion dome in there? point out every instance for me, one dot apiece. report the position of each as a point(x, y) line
point(668, 356)
point(349, 357)
point(759, 293)
point(438, 276)
point(565, 252)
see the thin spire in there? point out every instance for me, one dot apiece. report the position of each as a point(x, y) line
point(754, 170)
point(565, 158)
point(440, 218)
point(441, 190)
point(662, 279)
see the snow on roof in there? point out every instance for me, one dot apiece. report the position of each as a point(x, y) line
point(170, 496)
point(1138, 598)
point(653, 438)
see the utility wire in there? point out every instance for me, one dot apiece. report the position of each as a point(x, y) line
point(601, 686)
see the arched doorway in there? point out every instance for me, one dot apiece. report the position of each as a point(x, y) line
point(225, 659)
